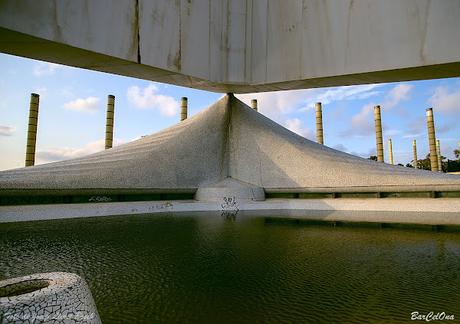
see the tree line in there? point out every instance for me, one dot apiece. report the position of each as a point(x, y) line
point(425, 164)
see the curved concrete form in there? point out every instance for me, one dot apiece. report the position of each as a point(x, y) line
point(56, 297)
point(228, 140)
point(241, 45)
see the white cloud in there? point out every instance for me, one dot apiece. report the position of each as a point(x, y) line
point(445, 101)
point(6, 130)
point(295, 125)
point(46, 69)
point(356, 92)
point(362, 124)
point(399, 93)
point(90, 104)
point(149, 98)
point(275, 104)
point(66, 153)
point(278, 103)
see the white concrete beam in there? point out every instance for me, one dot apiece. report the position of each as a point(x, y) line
point(241, 45)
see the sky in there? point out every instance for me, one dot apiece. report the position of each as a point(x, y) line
point(73, 107)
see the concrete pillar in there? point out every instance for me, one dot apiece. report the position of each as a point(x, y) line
point(378, 133)
point(390, 151)
point(414, 150)
point(432, 139)
point(319, 123)
point(32, 129)
point(438, 153)
point(109, 122)
point(254, 104)
point(183, 108)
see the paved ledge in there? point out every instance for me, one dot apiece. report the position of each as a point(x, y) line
point(440, 211)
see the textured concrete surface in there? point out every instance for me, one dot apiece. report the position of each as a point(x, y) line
point(241, 45)
point(439, 211)
point(56, 297)
point(227, 140)
point(230, 189)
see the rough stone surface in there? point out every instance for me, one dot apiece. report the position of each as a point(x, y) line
point(241, 45)
point(55, 297)
point(227, 140)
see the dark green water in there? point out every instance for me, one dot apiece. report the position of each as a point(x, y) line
point(157, 269)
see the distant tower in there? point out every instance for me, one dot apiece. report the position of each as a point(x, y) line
point(319, 123)
point(378, 133)
point(390, 151)
point(414, 150)
point(438, 152)
point(183, 108)
point(254, 104)
point(32, 129)
point(109, 122)
point(432, 139)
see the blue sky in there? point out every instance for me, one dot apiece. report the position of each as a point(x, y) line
point(73, 106)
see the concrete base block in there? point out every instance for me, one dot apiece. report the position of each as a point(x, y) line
point(230, 188)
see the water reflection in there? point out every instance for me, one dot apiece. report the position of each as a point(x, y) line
point(229, 268)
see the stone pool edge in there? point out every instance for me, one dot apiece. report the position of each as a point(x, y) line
point(439, 211)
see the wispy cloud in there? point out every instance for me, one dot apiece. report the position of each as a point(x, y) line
point(46, 69)
point(285, 101)
point(362, 123)
point(400, 92)
point(7, 130)
point(278, 105)
point(149, 98)
point(356, 92)
point(90, 104)
point(65, 153)
point(295, 125)
point(445, 101)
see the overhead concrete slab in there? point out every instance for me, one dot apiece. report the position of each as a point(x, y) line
point(241, 45)
point(230, 148)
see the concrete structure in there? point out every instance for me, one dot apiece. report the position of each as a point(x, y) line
point(438, 155)
point(32, 129)
point(414, 151)
point(378, 133)
point(432, 139)
point(226, 140)
point(241, 45)
point(254, 104)
point(55, 297)
point(229, 158)
point(109, 122)
point(183, 108)
point(390, 151)
point(319, 123)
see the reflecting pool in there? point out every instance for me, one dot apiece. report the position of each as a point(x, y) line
point(144, 269)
